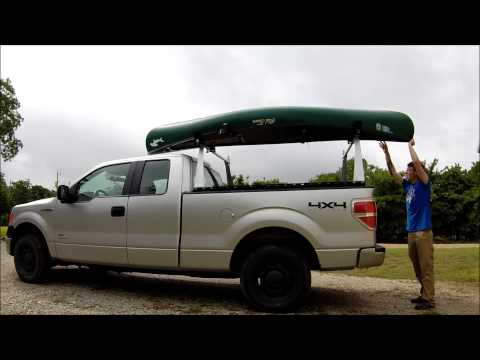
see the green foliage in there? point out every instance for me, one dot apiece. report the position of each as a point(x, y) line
point(5, 202)
point(240, 180)
point(10, 120)
point(328, 177)
point(264, 181)
point(19, 192)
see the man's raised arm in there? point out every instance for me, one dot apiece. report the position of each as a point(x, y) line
point(391, 169)
point(422, 175)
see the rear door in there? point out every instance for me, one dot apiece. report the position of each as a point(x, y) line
point(154, 214)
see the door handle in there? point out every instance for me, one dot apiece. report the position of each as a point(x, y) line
point(118, 211)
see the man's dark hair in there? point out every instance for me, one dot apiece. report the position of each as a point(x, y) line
point(410, 164)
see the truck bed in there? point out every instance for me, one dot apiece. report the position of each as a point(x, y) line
point(214, 220)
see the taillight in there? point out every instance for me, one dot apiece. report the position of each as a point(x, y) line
point(365, 211)
point(10, 218)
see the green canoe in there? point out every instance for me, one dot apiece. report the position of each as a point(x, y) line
point(277, 125)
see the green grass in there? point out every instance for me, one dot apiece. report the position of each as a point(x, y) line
point(453, 264)
point(3, 231)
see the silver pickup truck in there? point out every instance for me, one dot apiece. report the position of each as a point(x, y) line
point(144, 214)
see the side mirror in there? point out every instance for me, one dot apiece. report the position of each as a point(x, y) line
point(63, 194)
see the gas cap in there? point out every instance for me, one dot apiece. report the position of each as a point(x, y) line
point(226, 215)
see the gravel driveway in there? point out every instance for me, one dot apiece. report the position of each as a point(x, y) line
point(77, 291)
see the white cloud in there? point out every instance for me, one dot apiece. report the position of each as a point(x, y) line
point(87, 104)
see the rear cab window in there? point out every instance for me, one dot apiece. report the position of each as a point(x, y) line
point(155, 175)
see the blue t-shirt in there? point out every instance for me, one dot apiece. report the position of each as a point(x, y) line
point(419, 215)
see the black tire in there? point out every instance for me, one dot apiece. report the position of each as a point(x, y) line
point(32, 260)
point(275, 278)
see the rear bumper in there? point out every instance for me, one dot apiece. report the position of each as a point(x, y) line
point(369, 257)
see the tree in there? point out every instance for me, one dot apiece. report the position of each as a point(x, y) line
point(4, 201)
point(327, 177)
point(20, 192)
point(38, 192)
point(274, 181)
point(10, 120)
point(240, 180)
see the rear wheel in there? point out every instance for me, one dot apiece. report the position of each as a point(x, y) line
point(275, 278)
point(32, 261)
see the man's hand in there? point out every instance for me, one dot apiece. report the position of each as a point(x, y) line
point(422, 175)
point(391, 169)
point(383, 146)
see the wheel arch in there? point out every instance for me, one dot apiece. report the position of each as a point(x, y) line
point(27, 228)
point(273, 236)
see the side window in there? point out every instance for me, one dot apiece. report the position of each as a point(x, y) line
point(155, 177)
point(107, 181)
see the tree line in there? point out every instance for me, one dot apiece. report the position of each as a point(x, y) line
point(455, 200)
point(19, 192)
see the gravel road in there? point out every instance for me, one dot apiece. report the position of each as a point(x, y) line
point(71, 290)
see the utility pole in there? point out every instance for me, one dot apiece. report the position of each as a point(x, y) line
point(56, 184)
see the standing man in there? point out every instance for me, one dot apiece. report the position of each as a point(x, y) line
point(419, 224)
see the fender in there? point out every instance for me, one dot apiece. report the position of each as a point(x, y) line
point(45, 228)
point(275, 217)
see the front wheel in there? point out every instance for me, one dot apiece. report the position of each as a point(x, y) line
point(275, 278)
point(31, 259)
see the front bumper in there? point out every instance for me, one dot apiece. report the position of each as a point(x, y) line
point(8, 244)
point(369, 257)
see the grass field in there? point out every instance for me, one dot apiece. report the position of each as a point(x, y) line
point(3, 231)
point(454, 264)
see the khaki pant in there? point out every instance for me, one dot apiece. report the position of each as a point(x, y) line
point(420, 250)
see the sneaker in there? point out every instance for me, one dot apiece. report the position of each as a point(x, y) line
point(424, 306)
point(417, 300)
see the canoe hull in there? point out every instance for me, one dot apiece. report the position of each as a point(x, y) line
point(281, 125)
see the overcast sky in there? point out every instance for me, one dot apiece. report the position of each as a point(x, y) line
point(83, 105)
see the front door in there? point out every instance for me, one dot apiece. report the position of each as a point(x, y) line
point(94, 229)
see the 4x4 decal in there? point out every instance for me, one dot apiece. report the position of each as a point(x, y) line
point(331, 205)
